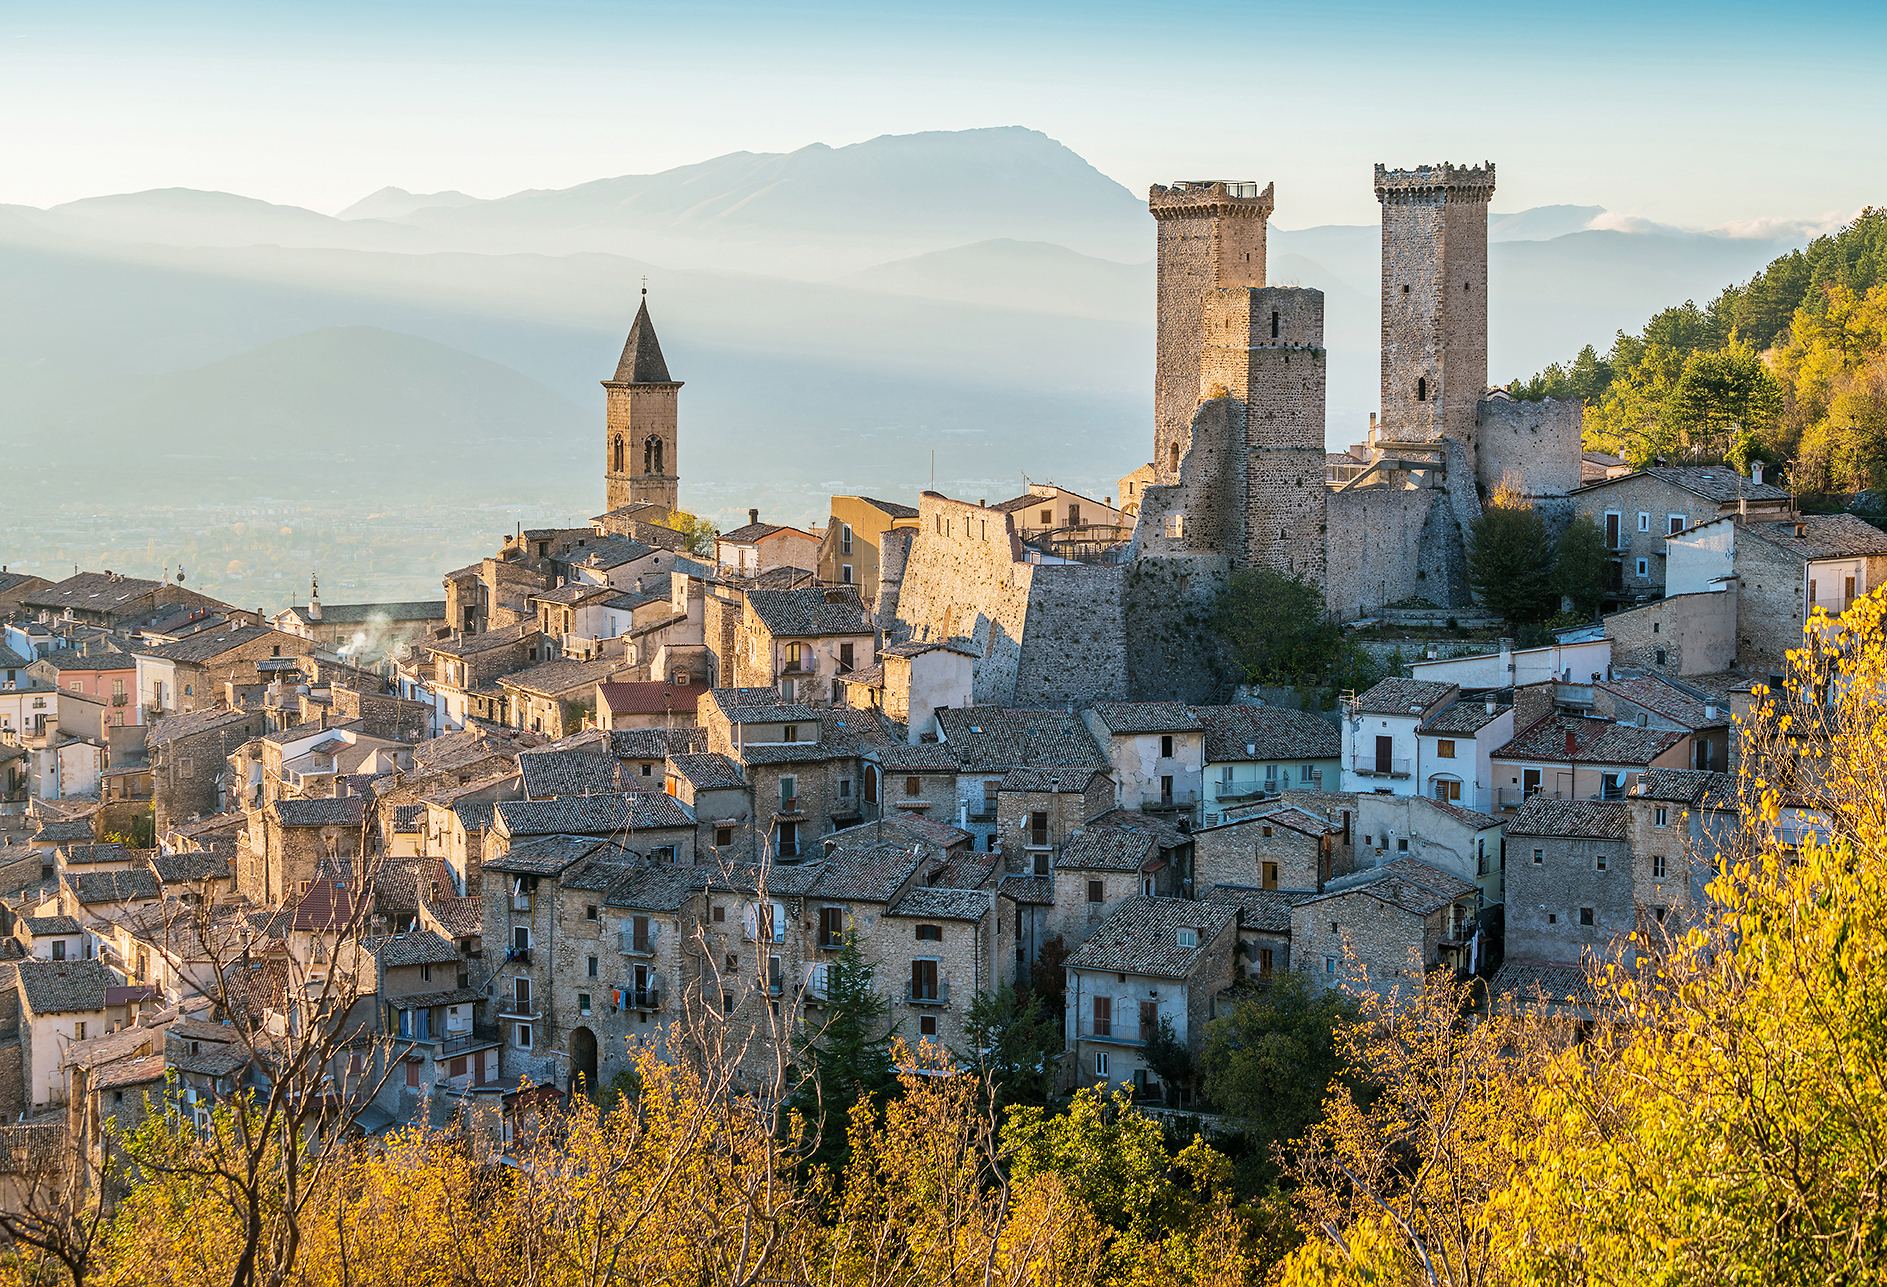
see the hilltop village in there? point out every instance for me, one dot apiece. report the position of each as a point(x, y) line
point(624, 788)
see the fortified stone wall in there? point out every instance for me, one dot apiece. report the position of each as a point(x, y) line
point(1386, 546)
point(960, 584)
point(1074, 641)
point(1538, 442)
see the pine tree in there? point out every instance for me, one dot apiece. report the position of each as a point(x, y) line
point(848, 1057)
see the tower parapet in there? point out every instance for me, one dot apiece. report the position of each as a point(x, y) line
point(1430, 183)
point(1194, 198)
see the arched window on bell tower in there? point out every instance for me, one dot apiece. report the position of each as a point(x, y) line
point(618, 465)
point(652, 457)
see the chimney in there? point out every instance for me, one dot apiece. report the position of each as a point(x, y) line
point(1572, 745)
point(1756, 472)
point(1490, 703)
point(753, 517)
point(1507, 659)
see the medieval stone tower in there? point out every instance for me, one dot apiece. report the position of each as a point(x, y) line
point(1434, 300)
point(1264, 351)
point(639, 463)
point(1209, 234)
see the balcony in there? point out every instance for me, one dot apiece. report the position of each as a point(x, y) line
point(519, 902)
point(119, 699)
point(937, 993)
point(1159, 801)
point(634, 944)
point(462, 1042)
point(642, 998)
point(1379, 766)
point(1119, 1032)
point(518, 1008)
point(1514, 797)
point(522, 955)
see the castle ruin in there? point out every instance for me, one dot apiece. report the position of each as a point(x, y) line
point(1238, 476)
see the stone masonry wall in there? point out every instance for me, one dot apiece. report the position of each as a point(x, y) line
point(1686, 634)
point(1544, 898)
point(635, 413)
point(1236, 854)
point(1389, 943)
point(960, 585)
point(1539, 442)
point(1388, 545)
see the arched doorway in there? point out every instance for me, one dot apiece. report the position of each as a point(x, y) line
point(583, 1061)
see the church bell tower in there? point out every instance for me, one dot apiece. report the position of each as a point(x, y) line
point(639, 464)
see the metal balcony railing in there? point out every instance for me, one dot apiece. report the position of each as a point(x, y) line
point(1123, 1032)
point(1168, 799)
point(1376, 766)
point(517, 1008)
point(522, 955)
point(119, 699)
point(642, 998)
point(937, 993)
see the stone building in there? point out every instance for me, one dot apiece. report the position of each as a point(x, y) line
point(1654, 701)
point(758, 548)
point(1462, 842)
point(991, 742)
point(1638, 510)
point(651, 822)
point(641, 465)
point(1158, 754)
point(1569, 880)
point(1380, 733)
point(289, 843)
point(1385, 927)
point(899, 777)
point(803, 765)
point(188, 675)
point(362, 632)
point(1276, 847)
point(1110, 858)
point(473, 663)
point(800, 642)
point(712, 787)
point(1573, 757)
point(190, 762)
point(556, 698)
point(1252, 752)
point(1150, 961)
point(116, 602)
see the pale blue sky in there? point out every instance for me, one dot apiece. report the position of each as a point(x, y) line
point(1682, 113)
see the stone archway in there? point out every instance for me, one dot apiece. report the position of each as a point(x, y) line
point(583, 1061)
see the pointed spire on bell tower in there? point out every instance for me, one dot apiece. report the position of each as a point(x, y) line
point(642, 356)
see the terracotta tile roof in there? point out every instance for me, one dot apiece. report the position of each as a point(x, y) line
point(863, 868)
point(136, 1071)
point(654, 743)
point(810, 612)
point(592, 815)
point(707, 772)
point(1465, 718)
point(1107, 849)
point(759, 706)
point(103, 659)
point(115, 887)
point(931, 903)
point(325, 906)
point(1823, 536)
point(549, 774)
point(422, 947)
point(660, 887)
point(1574, 738)
point(469, 644)
point(1718, 483)
point(1147, 717)
point(321, 811)
point(89, 854)
point(1407, 883)
point(1266, 910)
point(95, 591)
point(175, 727)
point(49, 926)
point(893, 508)
point(1595, 819)
point(1673, 703)
point(65, 987)
point(1272, 733)
point(183, 868)
point(1688, 786)
point(1297, 819)
point(1471, 817)
point(1521, 983)
point(1397, 696)
point(925, 757)
point(62, 831)
point(650, 697)
point(211, 644)
point(1069, 781)
point(556, 678)
point(547, 855)
point(752, 533)
point(1141, 936)
point(1034, 891)
point(995, 739)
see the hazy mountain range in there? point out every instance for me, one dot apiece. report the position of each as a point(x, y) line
point(838, 314)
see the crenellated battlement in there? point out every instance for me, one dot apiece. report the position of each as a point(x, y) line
point(1193, 198)
point(1427, 184)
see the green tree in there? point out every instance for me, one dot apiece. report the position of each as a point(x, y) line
point(1271, 1060)
point(1016, 1043)
point(1278, 627)
point(1726, 403)
point(1510, 563)
point(1581, 567)
point(1169, 1058)
point(848, 1056)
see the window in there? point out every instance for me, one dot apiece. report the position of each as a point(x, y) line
point(989, 798)
point(1598, 863)
point(521, 938)
point(1447, 789)
point(1585, 916)
point(1674, 523)
point(1048, 518)
point(524, 1036)
point(1175, 523)
point(789, 788)
point(78, 1031)
point(1659, 913)
point(720, 914)
point(1188, 936)
point(1038, 827)
point(845, 649)
point(845, 538)
point(795, 658)
point(927, 1025)
point(924, 980)
point(58, 950)
point(1100, 1063)
point(930, 933)
point(1266, 831)
point(1644, 568)
point(1274, 323)
point(1402, 845)
point(913, 785)
point(592, 964)
point(1644, 521)
point(1303, 773)
point(727, 1003)
point(1539, 857)
point(1657, 866)
point(589, 911)
point(1660, 816)
point(1271, 875)
point(1445, 748)
point(1330, 965)
point(1097, 891)
point(583, 1002)
point(845, 788)
point(1103, 1016)
point(831, 926)
point(1166, 747)
point(425, 973)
